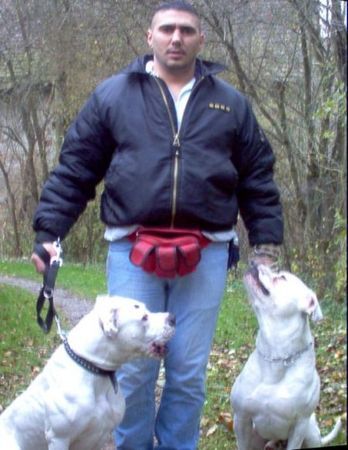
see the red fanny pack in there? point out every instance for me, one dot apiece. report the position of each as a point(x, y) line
point(167, 252)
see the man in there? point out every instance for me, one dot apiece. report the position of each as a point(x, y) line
point(178, 148)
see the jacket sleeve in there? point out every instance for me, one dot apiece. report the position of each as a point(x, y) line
point(258, 195)
point(84, 159)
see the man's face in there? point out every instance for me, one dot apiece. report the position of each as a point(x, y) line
point(176, 39)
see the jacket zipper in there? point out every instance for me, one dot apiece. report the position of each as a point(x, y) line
point(176, 144)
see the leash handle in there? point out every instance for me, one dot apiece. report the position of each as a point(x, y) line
point(45, 323)
point(49, 278)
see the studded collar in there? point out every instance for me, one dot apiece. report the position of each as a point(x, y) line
point(286, 359)
point(90, 367)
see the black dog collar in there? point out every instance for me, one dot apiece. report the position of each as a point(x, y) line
point(90, 366)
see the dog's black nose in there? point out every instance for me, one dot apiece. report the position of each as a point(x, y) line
point(253, 265)
point(171, 320)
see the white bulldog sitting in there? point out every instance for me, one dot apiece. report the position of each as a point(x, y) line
point(274, 397)
point(74, 403)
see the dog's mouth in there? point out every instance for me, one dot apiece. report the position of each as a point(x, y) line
point(255, 274)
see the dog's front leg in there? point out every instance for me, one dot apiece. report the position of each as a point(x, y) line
point(58, 444)
point(243, 428)
point(297, 434)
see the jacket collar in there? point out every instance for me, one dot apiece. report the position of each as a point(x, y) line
point(203, 68)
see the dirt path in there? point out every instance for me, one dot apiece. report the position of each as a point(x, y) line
point(72, 308)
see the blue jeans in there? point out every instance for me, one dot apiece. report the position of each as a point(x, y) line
point(195, 300)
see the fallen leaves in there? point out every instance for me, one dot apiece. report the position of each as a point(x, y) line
point(211, 430)
point(224, 365)
point(225, 418)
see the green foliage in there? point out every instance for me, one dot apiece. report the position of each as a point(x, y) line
point(335, 104)
point(324, 263)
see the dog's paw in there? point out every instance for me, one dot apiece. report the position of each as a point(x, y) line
point(274, 445)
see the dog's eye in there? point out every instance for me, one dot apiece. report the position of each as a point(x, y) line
point(145, 318)
point(136, 306)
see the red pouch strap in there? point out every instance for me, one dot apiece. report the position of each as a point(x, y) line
point(166, 261)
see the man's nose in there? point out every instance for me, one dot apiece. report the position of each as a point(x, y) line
point(176, 37)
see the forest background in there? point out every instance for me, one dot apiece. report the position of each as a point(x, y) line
point(287, 56)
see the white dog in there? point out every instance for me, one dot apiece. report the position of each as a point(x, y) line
point(74, 403)
point(274, 397)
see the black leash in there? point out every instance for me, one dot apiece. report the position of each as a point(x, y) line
point(46, 293)
point(49, 280)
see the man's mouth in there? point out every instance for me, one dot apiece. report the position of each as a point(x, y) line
point(175, 53)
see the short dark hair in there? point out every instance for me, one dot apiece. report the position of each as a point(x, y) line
point(179, 5)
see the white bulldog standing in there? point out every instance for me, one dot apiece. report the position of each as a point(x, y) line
point(274, 397)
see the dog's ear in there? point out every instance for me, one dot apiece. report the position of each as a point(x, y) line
point(312, 308)
point(107, 313)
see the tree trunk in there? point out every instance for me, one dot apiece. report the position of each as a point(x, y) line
point(17, 251)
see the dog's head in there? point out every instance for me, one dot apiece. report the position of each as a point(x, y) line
point(280, 293)
point(137, 330)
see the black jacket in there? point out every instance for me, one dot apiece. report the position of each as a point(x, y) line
point(220, 161)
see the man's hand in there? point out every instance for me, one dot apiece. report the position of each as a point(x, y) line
point(267, 254)
point(37, 260)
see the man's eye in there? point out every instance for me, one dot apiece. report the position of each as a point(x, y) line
point(187, 30)
point(167, 29)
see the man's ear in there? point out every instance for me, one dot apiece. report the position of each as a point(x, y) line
point(107, 313)
point(149, 37)
point(311, 307)
point(201, 41)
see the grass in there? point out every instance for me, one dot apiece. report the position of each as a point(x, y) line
point(84, 280)
point(21, 356)
point(23, 348)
